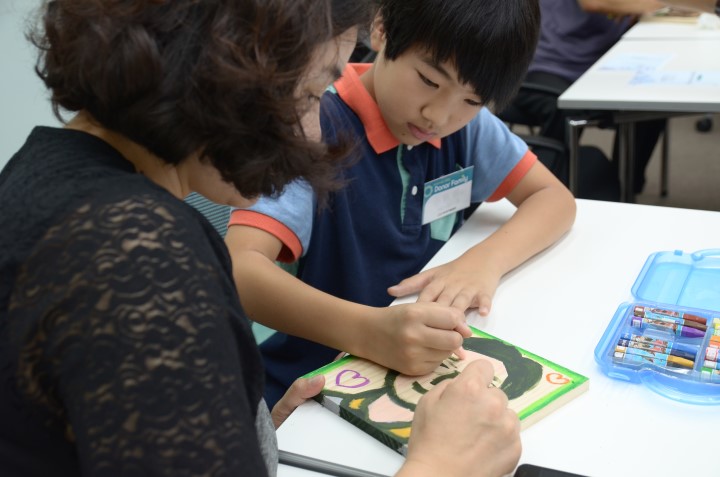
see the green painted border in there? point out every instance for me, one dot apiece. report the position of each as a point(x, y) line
point(576, 379)
point(330, 366)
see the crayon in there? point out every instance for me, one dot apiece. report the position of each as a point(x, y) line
point(645, 339)
point(711, 354)
point(644, 311)
point(680, 361)
point(707, 374)
point(642, 356)
point(670, 319)
point(711, 364)
point(677, 330)
point(716, 323)
point(667, 349)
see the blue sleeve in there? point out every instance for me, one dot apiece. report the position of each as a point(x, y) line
point(294, 208)
point(494, 150)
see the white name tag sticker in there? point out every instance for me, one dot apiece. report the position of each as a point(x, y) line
point(447, 195)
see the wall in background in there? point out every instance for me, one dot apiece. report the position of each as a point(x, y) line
point(23, 98)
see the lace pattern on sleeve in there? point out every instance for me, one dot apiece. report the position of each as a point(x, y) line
point(133, 347)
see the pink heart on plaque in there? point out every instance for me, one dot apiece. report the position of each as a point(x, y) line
point(356, 377)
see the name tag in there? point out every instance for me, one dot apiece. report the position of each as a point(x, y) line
point(447, 195)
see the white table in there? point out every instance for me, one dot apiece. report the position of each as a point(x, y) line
point(669, 28)
point(601, 88)
point(558, 305)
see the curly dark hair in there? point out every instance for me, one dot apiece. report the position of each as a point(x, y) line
point(182, 76)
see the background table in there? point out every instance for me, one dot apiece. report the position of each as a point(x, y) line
point(558, 305)
point(610, 90)
point(673, 28)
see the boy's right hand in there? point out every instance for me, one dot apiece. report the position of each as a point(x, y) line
point(463, 427)
point(415, 338)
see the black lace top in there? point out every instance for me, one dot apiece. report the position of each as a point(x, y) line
point(123, 347)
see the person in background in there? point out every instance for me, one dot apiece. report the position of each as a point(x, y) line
point(574, 34)
point(633, 7)
point(124, 349)
point(418, 114)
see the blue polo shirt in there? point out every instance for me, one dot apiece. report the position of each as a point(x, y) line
point(371, 236)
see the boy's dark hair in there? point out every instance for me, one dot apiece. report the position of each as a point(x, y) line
point(491, 42)
point(219, 77)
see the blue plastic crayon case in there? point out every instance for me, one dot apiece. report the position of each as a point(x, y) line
point(658, 339)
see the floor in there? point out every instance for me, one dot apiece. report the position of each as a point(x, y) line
point(694, 165)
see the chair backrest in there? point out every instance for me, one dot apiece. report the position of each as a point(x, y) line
point(597, 176)
point(516, 116)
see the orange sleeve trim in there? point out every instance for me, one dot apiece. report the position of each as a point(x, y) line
point(351, 89)
point(291, 246)
point(515, 176)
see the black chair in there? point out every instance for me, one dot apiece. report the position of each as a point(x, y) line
point(704, 124)
point(513, 116)
point(597, 175)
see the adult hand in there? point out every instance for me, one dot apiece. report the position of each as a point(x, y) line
point(299, 392)
point(463, 427)
point(461, 284)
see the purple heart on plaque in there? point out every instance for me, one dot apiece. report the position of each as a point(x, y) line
point(360, 379)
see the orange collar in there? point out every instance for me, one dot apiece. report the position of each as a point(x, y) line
point(353, 92)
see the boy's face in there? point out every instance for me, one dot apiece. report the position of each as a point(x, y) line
point(420, 100)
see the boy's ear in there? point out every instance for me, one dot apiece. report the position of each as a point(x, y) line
point(377, 34)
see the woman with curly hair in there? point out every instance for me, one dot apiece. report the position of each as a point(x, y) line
point(124, 349)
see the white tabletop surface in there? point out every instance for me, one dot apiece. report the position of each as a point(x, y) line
point(683, 29)
point(610, 89)
point(558, 305)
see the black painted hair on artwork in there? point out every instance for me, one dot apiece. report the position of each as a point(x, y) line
point(523, 373)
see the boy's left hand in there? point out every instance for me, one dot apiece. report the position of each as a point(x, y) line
point(455, 284)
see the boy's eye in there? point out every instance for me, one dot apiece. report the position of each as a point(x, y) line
point(472, 102)
point(427, 81)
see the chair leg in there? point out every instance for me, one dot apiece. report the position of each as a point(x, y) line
point(664, 163)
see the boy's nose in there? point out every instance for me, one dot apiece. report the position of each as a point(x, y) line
point(437, 114)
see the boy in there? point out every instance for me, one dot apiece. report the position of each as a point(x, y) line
point(417, 113)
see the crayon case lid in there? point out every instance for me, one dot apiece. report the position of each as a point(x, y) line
point(678, 278)
point(678, 281)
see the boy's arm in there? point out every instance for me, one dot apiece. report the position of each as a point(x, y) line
point(621, 7)
point(707, 6)
point(412, 339)
point(546, 211)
